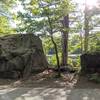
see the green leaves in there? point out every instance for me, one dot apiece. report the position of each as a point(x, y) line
point(5, 26)
point(94, 42)
point(38, 11)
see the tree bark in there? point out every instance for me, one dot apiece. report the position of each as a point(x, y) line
point(65, 23)
point(55, 46)
point(86, 27)
point(64, 49)
point(57, 57)
point(81, 42)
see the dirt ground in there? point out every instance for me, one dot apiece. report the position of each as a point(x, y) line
point(45, 86)
point(48, 79)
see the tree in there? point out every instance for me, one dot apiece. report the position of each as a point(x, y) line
point(5, 17)
point(85, 22)
point(67, 9)
point(89, 13)
point(86, 27)
point(49, 14)
point(4, 26)
point(65, 23)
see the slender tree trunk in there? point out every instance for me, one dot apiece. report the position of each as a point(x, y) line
point(86, 26)
point(57, 57)
point(81, 42)
point(55, 46)
point(64, 49)
point(65, 23)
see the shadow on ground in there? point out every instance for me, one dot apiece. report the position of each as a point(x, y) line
point(52, 89)
point(84, 90)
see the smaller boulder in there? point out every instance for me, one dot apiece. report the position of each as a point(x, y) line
point(90, 63)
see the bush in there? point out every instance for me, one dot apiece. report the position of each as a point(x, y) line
point(94, 77)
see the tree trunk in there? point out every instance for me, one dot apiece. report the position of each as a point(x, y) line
point(81, 42)
point(57, 57)
point(65, 23)
point(64, 49)
point(86, 26)
point(55, 45)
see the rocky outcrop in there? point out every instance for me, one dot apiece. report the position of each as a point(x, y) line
point(21, 53)
point(90, 63)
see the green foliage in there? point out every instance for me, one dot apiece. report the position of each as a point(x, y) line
point(6, 17)
point(37, 12)
point(47, 44)
point(5, 26)
point(52, 60)
point(74, 62)
point(94, 77)
point(74, 45)
point(94, 42)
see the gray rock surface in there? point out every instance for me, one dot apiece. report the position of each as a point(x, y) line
point(21, 53)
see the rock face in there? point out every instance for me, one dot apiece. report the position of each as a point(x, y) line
point(90, 63)
point(21, 54)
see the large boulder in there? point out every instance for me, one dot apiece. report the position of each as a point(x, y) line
point(21, 53)
point(90, 63)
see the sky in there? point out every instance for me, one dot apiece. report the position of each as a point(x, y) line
point(89, 3)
